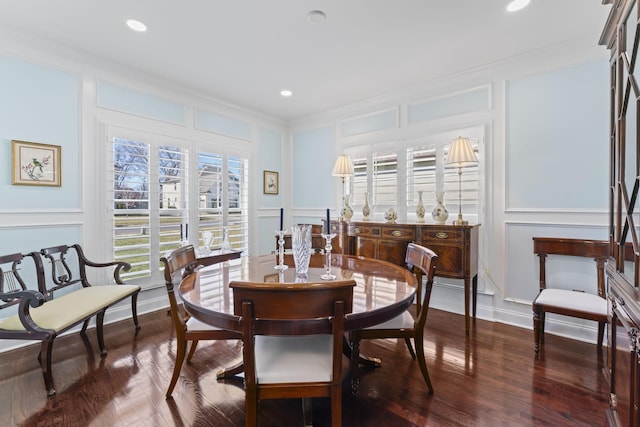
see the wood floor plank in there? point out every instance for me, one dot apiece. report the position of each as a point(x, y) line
point(490, 378)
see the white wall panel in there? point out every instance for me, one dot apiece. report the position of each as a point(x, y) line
point(557, 139)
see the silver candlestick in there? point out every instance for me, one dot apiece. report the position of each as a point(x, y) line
point(280, 265)
point(327, 253)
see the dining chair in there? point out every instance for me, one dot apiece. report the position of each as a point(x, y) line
point(177, 264)
point(292, 338)
point(404, 326)
point(566, 301)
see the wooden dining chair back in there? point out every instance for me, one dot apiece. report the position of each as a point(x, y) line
point(405, 326)
point(292, 336)
point(176, 264)
point(567, 301)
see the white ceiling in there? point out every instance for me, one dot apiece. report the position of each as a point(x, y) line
point(245, 51)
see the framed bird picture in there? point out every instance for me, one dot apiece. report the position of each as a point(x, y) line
point(271, 184)
point(36, 164)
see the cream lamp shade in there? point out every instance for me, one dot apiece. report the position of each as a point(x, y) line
point(461, 153)
point(343, 167)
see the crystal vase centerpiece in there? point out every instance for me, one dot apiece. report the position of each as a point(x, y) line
point(301, 247)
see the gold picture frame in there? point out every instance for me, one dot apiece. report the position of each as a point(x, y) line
point(271, 184)
point(33, 163)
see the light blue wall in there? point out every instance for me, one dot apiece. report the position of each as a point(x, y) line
point(557, 139)
point(313, 158)
point(29, 239)
point(451, 105)
point(223, 125)
point(39, 104)
point(370, 123)
point(128, 100)
point(270, 158)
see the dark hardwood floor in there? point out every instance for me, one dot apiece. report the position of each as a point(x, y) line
point(488, 379)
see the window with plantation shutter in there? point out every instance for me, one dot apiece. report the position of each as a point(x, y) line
point(211, 196)
point(393, 177)
point(164, 195)
point(359, 180)
point(223, 200)
point(384, 168)
point(421, 175)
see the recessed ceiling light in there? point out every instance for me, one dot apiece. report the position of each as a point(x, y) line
point(286, 93)
point(136, 25)
point(516, 5)
point(316, 16)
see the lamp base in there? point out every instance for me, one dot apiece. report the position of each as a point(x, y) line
point(460, 221)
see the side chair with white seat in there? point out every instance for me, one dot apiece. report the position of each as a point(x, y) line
point(177, 264)
point(404, 326)
point(292, 341)
point(569, 302)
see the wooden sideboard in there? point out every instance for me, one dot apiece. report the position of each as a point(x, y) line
point(456, 246)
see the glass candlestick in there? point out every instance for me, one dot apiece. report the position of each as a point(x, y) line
point(327, 253)
point(280, 265)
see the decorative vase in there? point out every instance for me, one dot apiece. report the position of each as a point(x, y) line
point(440, 213)
point(347, 212)
point(420, 208)
point(366, 211)
point(391, 216)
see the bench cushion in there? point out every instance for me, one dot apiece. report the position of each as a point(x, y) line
point(66, 310)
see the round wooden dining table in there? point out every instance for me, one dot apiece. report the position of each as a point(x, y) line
point(383, 290)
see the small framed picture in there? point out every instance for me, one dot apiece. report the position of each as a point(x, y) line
point(270, 182)
point(35, 164)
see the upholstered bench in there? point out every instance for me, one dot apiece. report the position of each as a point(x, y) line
point(40, 315)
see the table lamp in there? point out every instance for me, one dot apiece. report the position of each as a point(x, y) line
point(343, 168)
point(461, 155)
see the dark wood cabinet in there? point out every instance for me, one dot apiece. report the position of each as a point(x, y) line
point(622, 37)
point(456, 246)
point(381, 241)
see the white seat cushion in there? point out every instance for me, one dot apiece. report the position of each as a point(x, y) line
point(194, 324)
point(64, 311)
point(582, 301)
point(403, 321)
point(293, 359)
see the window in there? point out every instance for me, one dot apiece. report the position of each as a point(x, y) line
point(393, 177)
point(162, 198)
point(421, 175)
point(384, 180)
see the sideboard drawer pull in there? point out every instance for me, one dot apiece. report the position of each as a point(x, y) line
point(357, 230)
point(442, 235)
point(397, 233)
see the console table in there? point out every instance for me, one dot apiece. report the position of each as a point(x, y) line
point(456, 246)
